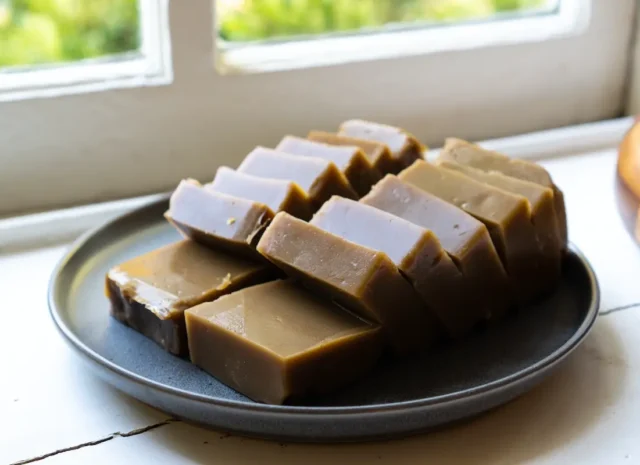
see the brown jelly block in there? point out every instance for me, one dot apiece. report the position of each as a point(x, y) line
point(277, 194)
point(473, 155)
point(465, 239)
point(150, 293)
point(404, 147)
point(506, 216)
point(217, 220)
point(361, 279)
point(319, 178)
point(416, 251)
point(542, 218)
point(351, 160)
point(277, 343)
point(378, 153)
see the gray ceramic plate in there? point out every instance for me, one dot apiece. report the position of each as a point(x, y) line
point(452, 382)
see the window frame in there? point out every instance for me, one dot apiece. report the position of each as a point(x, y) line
point(72, 149)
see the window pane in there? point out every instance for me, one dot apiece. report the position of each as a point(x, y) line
point(34, 32)
point(249, 20)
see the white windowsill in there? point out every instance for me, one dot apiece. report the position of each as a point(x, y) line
point(60, 226)
point(572, 18)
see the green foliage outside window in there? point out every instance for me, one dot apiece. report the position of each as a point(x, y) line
point(46, 31)
point(243, 20)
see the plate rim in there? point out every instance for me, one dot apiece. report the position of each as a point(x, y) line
point(75, 342)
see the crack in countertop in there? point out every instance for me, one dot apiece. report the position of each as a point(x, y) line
point(619, 309)
point(144, 429)
point(117, 434)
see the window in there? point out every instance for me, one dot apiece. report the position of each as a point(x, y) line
point(482, 74)
point(67, 46)
point(35, 32)
point(258, 20)
point(268, 35)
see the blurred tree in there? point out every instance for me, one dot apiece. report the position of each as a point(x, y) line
point(242, 20)
point(452, 10)
point(515, 5)
point(45, 31)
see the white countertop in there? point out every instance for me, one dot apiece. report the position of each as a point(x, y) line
point(54, 411)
